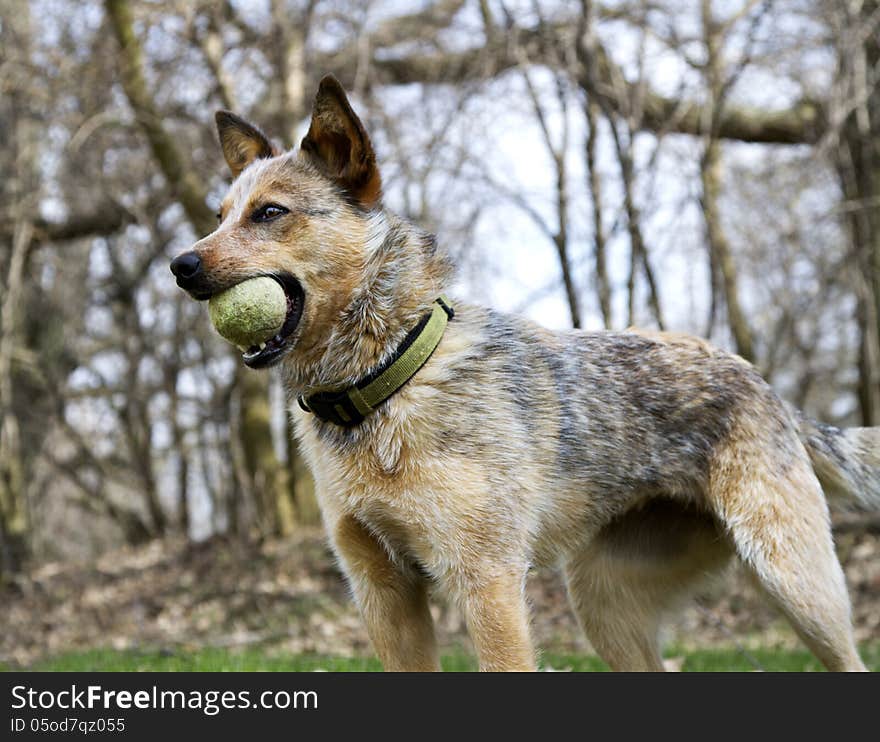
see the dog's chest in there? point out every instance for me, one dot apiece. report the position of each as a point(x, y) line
point(402, 507)
point(406, 522)
point(421, 508)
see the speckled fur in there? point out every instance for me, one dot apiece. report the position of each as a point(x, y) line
point(639, 461)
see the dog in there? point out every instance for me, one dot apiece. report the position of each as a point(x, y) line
point(454, 447)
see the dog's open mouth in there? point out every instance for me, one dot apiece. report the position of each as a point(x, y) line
point(265, 354)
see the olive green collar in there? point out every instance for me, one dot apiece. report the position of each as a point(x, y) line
point(349, 407)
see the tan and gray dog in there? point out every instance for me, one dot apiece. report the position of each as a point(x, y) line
point(454, 447)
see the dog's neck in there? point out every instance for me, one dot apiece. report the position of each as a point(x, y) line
point(404, 273)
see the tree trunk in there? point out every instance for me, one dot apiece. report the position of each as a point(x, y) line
point(721, 256)
point(603, 287)
point(172, 370)
point(22, 197)
point(291, 31)
point(858, 167)
point(302, 485)
point(267, 478)
point(639, 254)
point(13, 503)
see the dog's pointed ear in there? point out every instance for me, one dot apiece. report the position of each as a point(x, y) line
point(242, 142)
point(337, 143)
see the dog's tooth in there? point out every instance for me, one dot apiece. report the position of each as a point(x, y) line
point(242, 348)
point(262, 346)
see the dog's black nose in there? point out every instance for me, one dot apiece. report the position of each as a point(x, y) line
point(187, 268)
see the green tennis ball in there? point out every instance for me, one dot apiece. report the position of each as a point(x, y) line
point(249, 313)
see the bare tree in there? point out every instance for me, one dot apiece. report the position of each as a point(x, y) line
point(131, 414)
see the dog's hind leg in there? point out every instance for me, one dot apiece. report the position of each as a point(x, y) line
point(778, 519)
point(617, 616)
point(635, 572)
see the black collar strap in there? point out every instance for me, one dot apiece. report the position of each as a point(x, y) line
point(349, 407)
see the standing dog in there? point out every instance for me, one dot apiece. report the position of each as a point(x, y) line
point(455, 447)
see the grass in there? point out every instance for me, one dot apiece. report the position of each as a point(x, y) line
point(212, 660)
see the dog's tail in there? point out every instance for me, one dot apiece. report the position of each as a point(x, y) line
point(846, 461)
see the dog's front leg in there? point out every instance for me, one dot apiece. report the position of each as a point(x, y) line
point(392, 599)
point(498, 621)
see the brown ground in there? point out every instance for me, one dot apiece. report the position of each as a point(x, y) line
point(288, 596)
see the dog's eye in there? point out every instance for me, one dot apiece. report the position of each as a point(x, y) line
point(267, 212)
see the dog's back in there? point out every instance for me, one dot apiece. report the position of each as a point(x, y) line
point(576, 427)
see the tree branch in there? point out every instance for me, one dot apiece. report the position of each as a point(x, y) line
point(106, 219)
point(596, 74)
point(184, 183)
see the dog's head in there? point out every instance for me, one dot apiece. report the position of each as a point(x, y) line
point(304, 217)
